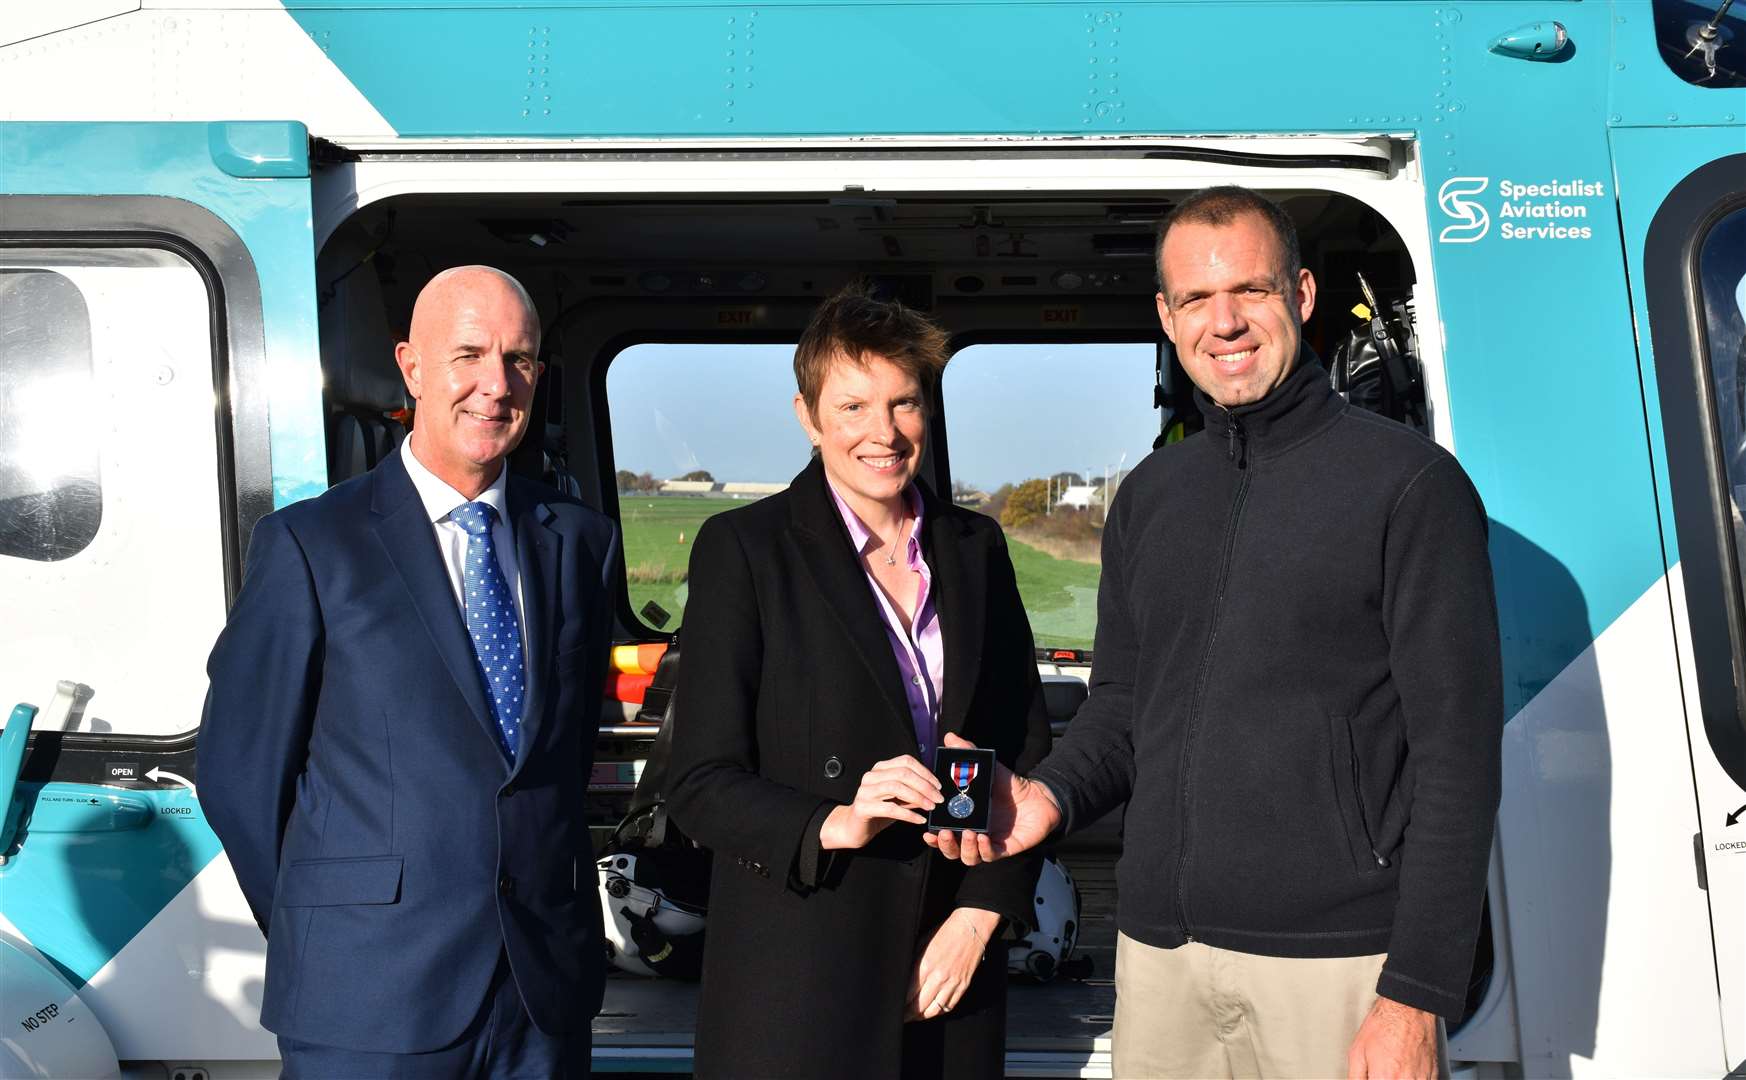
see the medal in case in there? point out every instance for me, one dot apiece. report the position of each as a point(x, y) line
point(966, 777)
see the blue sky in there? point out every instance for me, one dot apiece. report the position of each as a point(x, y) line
point(1013, 411)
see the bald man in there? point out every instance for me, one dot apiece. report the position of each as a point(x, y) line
point(400, 727)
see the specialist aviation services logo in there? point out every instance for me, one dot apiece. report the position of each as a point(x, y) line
point(1537, 210)
point(1472, 221)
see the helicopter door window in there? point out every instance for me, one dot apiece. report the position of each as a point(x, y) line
point(111, 542)
point(1722, 272)
point(1040, 437)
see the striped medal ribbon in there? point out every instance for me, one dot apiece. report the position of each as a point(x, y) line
point(963, 774)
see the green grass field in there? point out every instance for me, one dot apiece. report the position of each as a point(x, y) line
point(1060, 595)
point(655, 557)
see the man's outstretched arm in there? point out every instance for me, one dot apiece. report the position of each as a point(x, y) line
point(1091, 769)
point(1022, 815)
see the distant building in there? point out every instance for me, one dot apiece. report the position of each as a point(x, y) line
point(973, 500)
point(738, 489)
point(750, 489)
point(1081, 496)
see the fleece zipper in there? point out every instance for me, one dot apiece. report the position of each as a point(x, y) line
point(1358, 792)
point(1236, 452)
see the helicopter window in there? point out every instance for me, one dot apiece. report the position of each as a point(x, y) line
point(1087, 419)
point(51, 500)
point(697, 428)
point(1722, 274)
point(1703, 41)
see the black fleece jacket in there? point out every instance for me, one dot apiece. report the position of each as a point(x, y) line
point(1296, 688)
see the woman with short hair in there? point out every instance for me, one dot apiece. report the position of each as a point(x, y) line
point(835, 634)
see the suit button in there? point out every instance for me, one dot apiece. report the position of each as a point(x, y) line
point(508, 791)
point(833, 768)
point(506, 885)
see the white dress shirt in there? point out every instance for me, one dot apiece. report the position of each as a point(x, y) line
point(440, 500)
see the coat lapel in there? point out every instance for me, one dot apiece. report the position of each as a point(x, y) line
point(960, 588)
point(828, 557)
point(537, 550)
point(405, 532)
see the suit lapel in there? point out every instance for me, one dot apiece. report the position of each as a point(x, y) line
point(960, 586)
point(537, 548)
point(405, 532)
point(836, 572)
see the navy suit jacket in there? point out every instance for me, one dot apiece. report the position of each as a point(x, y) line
point(349, 763)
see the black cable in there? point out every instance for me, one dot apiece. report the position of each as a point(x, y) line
point(326, 295)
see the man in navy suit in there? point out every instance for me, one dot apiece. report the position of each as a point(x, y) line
point(399, 732)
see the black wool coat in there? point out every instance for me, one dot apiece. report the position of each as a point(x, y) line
point(790, 693)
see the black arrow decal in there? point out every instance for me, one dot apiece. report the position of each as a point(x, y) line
point(1734, 818)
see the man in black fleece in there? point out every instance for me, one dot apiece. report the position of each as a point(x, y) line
point(1296, 690)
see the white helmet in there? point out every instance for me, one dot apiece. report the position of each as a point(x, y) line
point(647, 931)
point(1041, 953)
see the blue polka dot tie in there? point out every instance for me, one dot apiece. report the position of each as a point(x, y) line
point(491, 621)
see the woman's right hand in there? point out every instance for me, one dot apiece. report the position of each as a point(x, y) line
point(893, 790)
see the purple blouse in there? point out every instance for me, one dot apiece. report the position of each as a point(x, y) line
point(921, 650)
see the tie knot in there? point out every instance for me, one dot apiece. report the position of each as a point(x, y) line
point(474, 517)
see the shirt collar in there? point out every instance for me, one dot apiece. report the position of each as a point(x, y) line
point(440, 500)
point(860, 535)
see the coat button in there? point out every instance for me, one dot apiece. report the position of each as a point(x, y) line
point(833, 768)
point(506, 885)
point(509, 791)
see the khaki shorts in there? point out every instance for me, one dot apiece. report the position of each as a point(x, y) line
point(1202, 1012)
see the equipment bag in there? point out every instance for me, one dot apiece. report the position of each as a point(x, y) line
point(1376, 366)
point(654, 880)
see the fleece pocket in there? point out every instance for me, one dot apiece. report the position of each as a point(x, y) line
point(1349, 794)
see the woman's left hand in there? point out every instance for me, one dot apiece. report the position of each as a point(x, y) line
point(948, 963)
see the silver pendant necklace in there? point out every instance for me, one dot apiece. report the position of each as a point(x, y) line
point(891, 553)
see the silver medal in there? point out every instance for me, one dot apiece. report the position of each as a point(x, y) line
point(961, 806)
